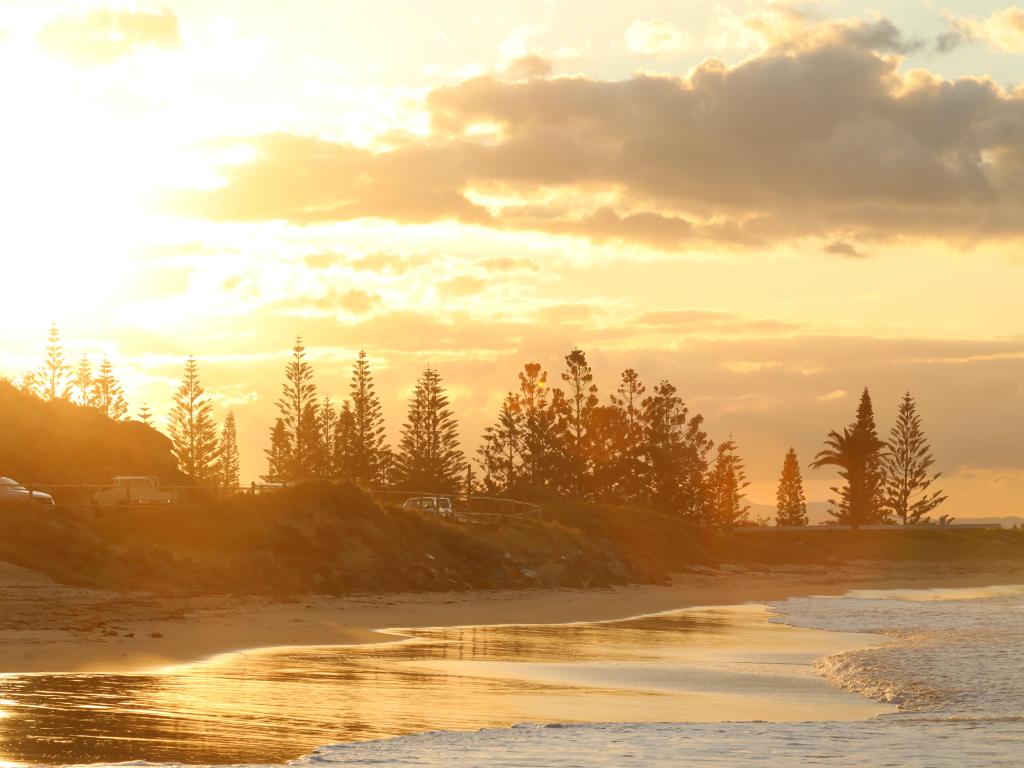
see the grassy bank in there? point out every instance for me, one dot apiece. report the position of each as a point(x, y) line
point(336, 539)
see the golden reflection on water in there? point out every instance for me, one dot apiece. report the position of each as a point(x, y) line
point(275, 704)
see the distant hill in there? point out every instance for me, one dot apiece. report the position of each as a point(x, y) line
point(61, 443)
point(1007, 522)
point(817, 512)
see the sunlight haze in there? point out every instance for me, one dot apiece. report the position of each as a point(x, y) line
point(772, 205)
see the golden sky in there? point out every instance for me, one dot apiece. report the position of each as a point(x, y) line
point(771, 205)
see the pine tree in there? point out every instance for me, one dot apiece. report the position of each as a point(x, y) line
point(859, 454)
point(664, 419)
point(429, 457)
point(500, 455)
point(581, 395)
point(790, 502)
point(107, 395)
point(367, 425)
point(726, 483)
point(608, 444)
point(908, 468)
point(543, 452)
point(145, 415)
point(29, 384)
point(229, 460)
point(279, 455)
point(299, 407)
point(694, 491)
point(54, 378)
point(344, 440)
point(83, 382)
point(628, 451)
point(389, 476)
point(193, 432)
point(875, 480)
point(327, 437)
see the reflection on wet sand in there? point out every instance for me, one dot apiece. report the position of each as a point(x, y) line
point(275, 704)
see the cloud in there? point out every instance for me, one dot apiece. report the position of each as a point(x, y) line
point(828, 140)
point(327, 303)
point(358, 302)
point(1001, 31)
point(841, 248)
point(101, 35)
point(463, 285)
point(786, 27)
point(528, 67)
point(509, 264)
point(655, 37)
point(750, 366)
point(323, 260)
point(836, 394)
point(700, 321)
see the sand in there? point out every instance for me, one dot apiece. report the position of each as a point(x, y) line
point(48, 627)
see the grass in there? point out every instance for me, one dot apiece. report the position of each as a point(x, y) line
point(336, 539)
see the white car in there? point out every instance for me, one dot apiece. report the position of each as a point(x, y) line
point(439, 506)
point(13, 492)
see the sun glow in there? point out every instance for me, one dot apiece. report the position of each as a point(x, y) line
point(79, 176)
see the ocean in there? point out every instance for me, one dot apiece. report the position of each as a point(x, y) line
point(953, 664)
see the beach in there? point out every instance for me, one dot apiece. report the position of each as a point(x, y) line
point(49, 627)
point(803, 660)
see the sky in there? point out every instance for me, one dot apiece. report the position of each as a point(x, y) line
point(771, 205)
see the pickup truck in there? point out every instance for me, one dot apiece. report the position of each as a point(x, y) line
point(134, 490)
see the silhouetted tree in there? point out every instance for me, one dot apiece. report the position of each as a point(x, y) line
point(629, 451)
point(367, 443)
point(83, 382)
point(908, 468)
point(875, 469)
point(279, 455)
point(107, 395)
point(344, 440)
point(299, 409)
point(581, 395)
point(193, 432)
point(726, 483)
point(229, 460)
point(664, 420)
point(859, 454)
point(29, 384)
point(544, 423)
point(429, 457)
point(54, 378)
point(500, 455)
point(389, 476)
point(324, 460)
point(145, 415)
point(790, 502)
point(607, 439)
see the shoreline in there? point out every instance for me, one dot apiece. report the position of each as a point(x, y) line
point(53, 628)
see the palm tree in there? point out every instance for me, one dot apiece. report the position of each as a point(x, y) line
point(855, 451)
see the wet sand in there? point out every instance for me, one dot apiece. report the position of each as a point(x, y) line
point(46, 627)
point(269, 705)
